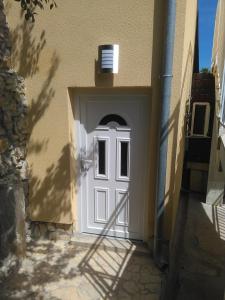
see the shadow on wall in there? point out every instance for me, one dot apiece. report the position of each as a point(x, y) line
point(27, 50)
point(178, 150)
point(39, 105)
point(52, 189)
point(172, 128)
point(102, 79)
point(173, 207)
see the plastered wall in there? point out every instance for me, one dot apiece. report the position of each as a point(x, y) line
point(58, 54)
point(60, 51)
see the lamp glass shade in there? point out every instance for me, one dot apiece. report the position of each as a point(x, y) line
point(109, 58)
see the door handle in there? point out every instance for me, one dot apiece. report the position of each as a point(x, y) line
point(85, 164)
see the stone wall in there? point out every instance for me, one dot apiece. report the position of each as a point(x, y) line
point(15, 226)
point(5, 46)
point(13, 138)
point(52, 231)
point(13, 127)
point(13, 166)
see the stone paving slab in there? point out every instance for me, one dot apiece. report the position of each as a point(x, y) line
point(86, 269)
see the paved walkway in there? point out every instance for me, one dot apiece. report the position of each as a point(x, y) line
point(84, 268)
point(199, 258)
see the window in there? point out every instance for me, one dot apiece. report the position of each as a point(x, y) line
point(200, 118)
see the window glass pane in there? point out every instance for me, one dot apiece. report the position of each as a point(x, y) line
point(124, 159)
point(113, 118)
point(101, 157)
point(199, 119)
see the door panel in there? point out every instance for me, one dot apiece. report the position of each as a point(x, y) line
point(101, 205)
point(122, 202)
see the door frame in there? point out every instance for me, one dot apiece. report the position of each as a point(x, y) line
point(79, 130)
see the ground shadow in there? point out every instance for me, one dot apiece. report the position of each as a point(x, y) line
point(112, 269)
point(202, 261)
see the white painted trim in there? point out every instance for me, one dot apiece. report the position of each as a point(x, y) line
point(77, 141)
point(96, 190)
point(105, 128)
point(107, 156)
point(124, 192)
point(207, 116)
point(123, 128)
point(118, 159)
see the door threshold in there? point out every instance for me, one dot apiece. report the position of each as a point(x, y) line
point(110, 243)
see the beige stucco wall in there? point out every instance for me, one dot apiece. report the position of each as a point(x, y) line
point(58, 54)
point(181, 90)
point(62, 49)
point(156, 72)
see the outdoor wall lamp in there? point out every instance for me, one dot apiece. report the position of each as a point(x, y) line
point(109, 58)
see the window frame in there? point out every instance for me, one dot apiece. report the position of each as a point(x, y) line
point(97, 175)
point(120, 177)
point(206, 121)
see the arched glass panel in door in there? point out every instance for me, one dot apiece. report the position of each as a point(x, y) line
point(113, 118)
point(122, 147)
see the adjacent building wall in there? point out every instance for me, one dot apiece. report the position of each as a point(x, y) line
point(216, 177)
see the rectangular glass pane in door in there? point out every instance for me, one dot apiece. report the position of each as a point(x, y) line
point(101, 156)
point(123, 159)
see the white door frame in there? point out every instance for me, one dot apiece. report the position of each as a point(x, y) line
point(79, 130)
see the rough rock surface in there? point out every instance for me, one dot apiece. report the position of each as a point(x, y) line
point(5, 45)
point(13, 166)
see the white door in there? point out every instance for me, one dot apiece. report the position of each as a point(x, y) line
point(113, 162)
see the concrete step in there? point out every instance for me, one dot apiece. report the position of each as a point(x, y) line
point(110, 243)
